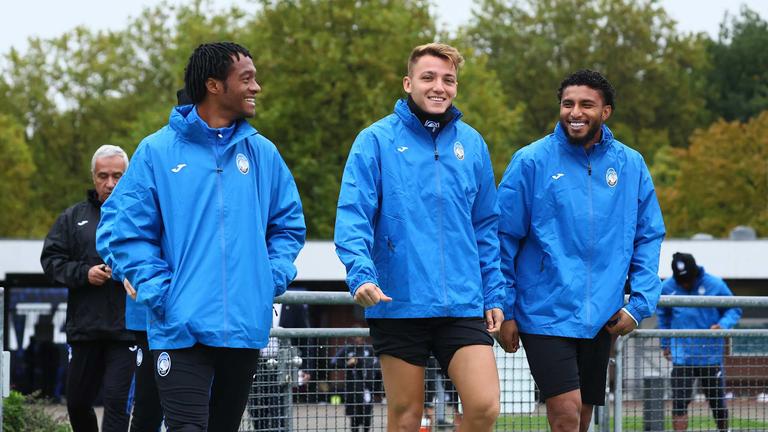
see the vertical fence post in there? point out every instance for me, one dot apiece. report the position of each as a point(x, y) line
point(618, 393)
point(2, 354)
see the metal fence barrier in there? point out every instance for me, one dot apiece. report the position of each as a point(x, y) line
point(324, 379)
point(717, 381)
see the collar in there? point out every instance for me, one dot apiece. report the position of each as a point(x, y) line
point(412, 122)
point(221, 133)
point(186, 121)
point(433, 123)
point(606, 139)
point(92, 197)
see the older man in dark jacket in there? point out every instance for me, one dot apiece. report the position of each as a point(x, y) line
point(102, 351)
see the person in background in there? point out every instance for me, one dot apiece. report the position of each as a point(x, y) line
point(102, 351)
point(361, 370)
point(696, 358)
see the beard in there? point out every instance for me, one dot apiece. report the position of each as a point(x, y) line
point(589, 136)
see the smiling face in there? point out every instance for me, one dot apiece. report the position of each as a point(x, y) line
point(582, 113)
point(432, 83)
point(238, 98)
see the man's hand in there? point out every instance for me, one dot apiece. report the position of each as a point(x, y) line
point(99, 274)
point(620, 323)
point(509, 337)
point(368, 294)
point(715, 327)
point(351, 361)
point(667, 354)
point(493, 320)
point(129, 289)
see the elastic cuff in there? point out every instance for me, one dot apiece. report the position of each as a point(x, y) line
point(363, 282)
point(630, 315)
point(493, 306)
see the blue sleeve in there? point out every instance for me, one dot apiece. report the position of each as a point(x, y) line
point(356, 212)
point(103, 232)
point(644, 265)
point(729, 317)
point(485, 220)
point(137, 227)
point(286, 230)
point(664, 314)
point(515, 191)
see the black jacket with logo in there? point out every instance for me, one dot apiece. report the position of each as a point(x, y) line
point(69, 251)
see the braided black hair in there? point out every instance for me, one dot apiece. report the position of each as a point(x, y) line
point(591, 79)
point(211, 60)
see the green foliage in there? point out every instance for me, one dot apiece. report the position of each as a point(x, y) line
point(27, 414)
point(533, 45)
point(739, 75)
point(481, 99)
point(721, 181)
point(17, 171)
point(329, 69)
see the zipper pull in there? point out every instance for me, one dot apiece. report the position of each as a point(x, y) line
point(437, 156)
point(589, 168)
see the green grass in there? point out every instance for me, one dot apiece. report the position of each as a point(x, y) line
point(539, 423)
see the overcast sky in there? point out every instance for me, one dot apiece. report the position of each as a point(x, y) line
point(49, 18)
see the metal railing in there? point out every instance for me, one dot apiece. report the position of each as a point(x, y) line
point(323, 399)
point(299, 386)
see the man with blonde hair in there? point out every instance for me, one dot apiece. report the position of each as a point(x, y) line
point(416, 229)
point(102, 351)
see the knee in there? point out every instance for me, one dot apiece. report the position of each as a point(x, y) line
point(406, 417)
point(483, 411)
point(565, 415)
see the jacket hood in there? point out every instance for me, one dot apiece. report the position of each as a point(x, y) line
point(194, 129)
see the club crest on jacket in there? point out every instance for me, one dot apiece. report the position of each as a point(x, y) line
point(242, 163)
point(458, 150)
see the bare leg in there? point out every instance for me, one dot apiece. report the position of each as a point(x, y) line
point(473, 372)
point(564, 411)
point(404, 386)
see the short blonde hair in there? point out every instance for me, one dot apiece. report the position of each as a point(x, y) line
point(440, 50)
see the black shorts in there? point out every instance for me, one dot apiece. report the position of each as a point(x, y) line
point(712, 383)
point(561, 364)
point(413, 339)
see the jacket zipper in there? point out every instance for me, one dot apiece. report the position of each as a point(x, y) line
point(222, 242)
point(440, 220)
point(591, 236)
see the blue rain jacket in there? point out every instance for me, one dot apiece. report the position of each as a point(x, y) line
point(417, 216)
point(136, 314)
point(573, 227)
point(696, 351)
point(205, 224)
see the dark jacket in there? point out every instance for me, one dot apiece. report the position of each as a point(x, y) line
point(69, 251)
point(359, 379)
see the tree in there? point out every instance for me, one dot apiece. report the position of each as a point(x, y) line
point(532, 45)
point(329, 69)
point(16, 173)
point(722, 180)
point(482, 100)
point(739, 75)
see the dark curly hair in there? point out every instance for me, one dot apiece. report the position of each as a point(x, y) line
point(211, 60)
point(591, 79)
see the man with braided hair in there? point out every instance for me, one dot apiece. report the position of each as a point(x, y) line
point(206, 225)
